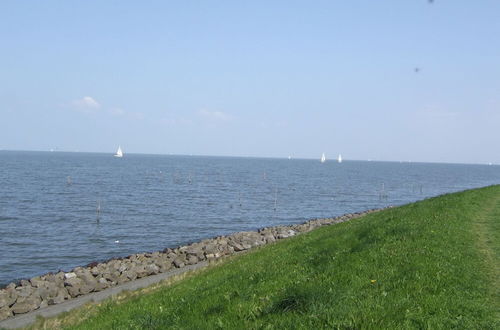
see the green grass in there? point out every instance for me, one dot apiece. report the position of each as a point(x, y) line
point(432, 264)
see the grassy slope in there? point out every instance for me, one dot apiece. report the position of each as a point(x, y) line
point(432, 264)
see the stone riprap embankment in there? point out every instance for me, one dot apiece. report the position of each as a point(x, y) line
point(55, 288)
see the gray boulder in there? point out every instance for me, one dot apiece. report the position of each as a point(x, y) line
point(192, 259)
point(24, 291)
point(180, 261)
point(137, 272)
point(73, 285)
point(101, 284)
point(152, 269)
point(165, 265)
point(7, 298)
point(37, 282)
point(69, 275)
point(57, 279)
point(87, 277)
point(25, 305)
point(5, 312)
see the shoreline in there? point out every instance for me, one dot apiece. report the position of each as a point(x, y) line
point(41, 293)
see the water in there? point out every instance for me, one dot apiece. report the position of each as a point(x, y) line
point(49, 201)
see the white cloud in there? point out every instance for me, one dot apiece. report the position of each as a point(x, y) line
point(214, 115)
point(86, 104)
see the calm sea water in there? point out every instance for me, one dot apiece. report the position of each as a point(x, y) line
point(49, 201)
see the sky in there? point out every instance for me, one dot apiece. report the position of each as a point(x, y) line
point(381, 80)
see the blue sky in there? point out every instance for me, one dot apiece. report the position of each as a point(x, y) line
point(253, 78)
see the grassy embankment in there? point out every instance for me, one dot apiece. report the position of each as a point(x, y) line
point(431, 264)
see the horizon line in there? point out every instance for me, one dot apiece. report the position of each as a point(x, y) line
point(262, 157)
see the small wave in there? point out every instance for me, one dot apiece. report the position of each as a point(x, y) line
point(4, 218)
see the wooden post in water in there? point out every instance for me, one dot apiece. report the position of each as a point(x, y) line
point(382, 194)
point(98, 210)
point(275, 198)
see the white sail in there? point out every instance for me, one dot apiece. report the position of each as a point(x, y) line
point(119, 152)
point(323, 158)
point(339, 159)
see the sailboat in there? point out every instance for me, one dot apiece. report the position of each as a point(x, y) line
point(323, 158)
point(339, 159)
point(119, 152)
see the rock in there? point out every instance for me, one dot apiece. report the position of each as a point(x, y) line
point(53, 289)
point(5, 312)
point(101, 284)
point(222, 240)
point(131, 274)
point(25, 283)
point(24, 291)
point(172, 255)
point(69, 275)
point(139, 271)
point(73, 291)
point(11, 294)
point(73, 285)
point(57, 279)
point(179, 262)
point(26, 305)
point(245, 240)
point(236, 246)
point(123, 267)
point(85, 289)
point(194, 250)
point(44, 304)
point(269, 238)
point(152, 269)
point(165, 265)
point(95, 271)
point(191, 260)
point(111, 276)
point(44, 293)
point(156, 254)
point(7, 298)
point(73, 282)
point(37, 282)
point(114, 265)
point(285, 233)
point(303, 228)
point(122, 279)
point(211, 249)
point(4, 299)
point(59, 298)
point(87, 277)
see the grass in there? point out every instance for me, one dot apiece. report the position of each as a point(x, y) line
point(431, 264)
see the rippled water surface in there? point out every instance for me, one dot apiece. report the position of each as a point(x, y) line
point(49, 201)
